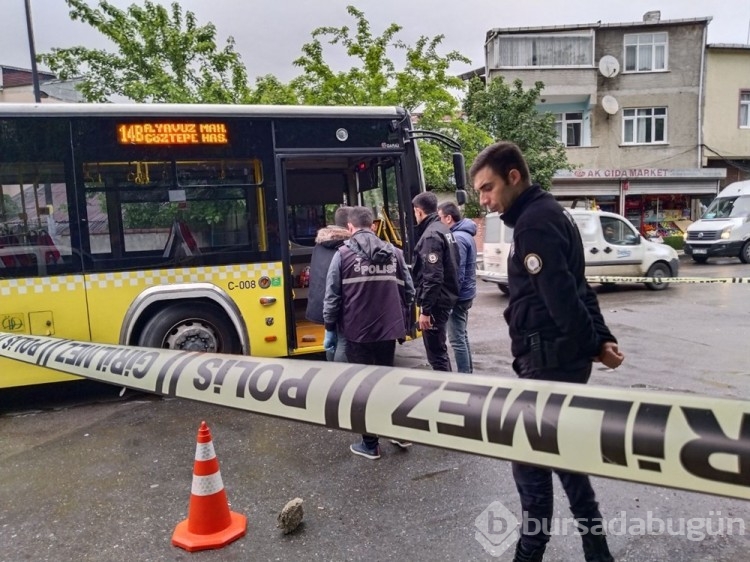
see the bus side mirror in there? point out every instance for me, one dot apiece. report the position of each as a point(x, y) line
point(459, 173)
point(459, 170)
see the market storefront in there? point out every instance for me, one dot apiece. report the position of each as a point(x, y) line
point(658, 201)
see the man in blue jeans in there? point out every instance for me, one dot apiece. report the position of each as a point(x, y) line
point(463, 231)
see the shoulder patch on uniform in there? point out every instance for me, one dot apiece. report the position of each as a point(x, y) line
point(432, 257)
point(533, 263)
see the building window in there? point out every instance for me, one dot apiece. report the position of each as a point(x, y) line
point(645, 52)
point(647, 125)
point(745, 109)
point(568, 127)
point(548, 49)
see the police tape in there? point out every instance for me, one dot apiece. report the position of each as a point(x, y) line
point(695, 443)
point(694, 280)
point(499, 278)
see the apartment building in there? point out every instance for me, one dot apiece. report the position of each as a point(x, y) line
point(628, 101)
point(726, 126)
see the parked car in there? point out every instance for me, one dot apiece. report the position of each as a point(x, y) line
point(612, 247)
point(724, 229)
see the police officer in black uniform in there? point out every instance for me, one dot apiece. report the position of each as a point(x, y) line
point(556, 327)
point(435, 278)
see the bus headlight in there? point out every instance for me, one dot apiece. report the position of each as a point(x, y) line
point(726, 233)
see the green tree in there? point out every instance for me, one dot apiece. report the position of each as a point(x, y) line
point(424, 83)
point(9, 209)
point(509, 113)
point(201, 214)
point(269, 90)
point(436, 158)
point(162, 56)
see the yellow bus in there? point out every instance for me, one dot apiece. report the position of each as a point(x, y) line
point(186, 226)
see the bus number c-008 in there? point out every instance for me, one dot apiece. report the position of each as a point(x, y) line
point(241, 285)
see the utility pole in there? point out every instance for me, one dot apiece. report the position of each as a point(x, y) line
point(32, 51)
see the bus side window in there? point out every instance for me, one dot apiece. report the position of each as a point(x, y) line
point(34, 223)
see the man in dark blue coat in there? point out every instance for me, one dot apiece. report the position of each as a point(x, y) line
point(463, 231)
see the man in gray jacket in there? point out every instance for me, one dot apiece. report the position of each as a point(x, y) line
point(369, 293)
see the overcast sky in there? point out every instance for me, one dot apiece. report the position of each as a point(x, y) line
point(270, 33)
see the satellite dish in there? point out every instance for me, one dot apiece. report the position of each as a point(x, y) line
point(608, 66)
point(610, 105)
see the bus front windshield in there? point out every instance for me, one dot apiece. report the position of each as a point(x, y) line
point(728, 207)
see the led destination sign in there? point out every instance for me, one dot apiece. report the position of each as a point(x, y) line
point(172, 133)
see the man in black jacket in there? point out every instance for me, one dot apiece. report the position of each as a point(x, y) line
point(556, 330)
point(327, 242)
point(435, 278)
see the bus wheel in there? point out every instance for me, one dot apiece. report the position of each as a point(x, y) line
point(190, 327)
point(658, 270)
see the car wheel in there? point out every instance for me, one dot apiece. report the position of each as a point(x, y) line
point(658, 270)
point(700, 259)
point(745, 253)
point(190, 327)
point(503, 288)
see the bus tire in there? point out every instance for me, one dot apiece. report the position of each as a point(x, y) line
point(658, 270)
point(190, 327)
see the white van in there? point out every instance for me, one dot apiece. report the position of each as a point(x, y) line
point(723, 230)
point(612, 247)
point(498, 240)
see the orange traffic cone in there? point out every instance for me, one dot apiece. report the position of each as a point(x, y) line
point(210, 524)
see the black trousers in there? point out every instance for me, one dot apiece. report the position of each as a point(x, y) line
point(371, 353)
point(435, 342)
point(534, 484)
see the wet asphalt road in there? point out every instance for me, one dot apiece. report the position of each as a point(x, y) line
point(95, 479)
